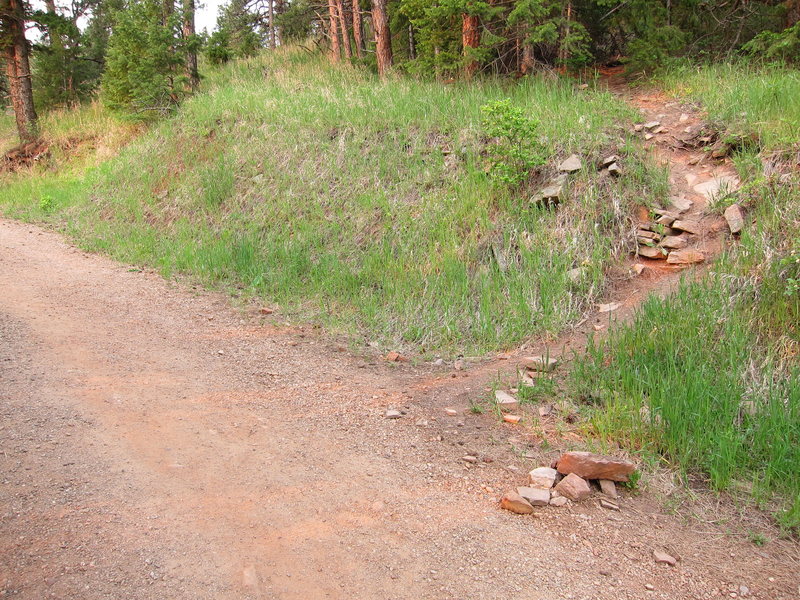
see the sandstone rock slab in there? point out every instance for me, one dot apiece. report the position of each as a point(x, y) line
point(571, 164)
point(734, 217)
point(535, 496)
point(515, 503)
point(595, 466)
point(685, 257)
point(543, 477)
point(574, 487)
point(505, 401)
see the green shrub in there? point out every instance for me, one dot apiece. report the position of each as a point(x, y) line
point(515, 149)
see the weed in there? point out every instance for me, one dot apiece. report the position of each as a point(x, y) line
point(46, 204)
point(757, 538)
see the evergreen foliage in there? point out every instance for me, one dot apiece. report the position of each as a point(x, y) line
point(143, 74)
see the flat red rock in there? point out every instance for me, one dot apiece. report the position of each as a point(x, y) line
point(595, 466)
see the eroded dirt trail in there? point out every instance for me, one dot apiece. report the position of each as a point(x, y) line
point(157, 443)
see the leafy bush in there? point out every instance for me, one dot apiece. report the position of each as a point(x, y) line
point(515, 150)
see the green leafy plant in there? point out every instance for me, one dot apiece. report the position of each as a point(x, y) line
point(515, 149)
point(46, 204)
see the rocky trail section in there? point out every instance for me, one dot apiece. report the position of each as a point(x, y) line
point(157, 443)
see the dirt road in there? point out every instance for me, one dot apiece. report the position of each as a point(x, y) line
point(156, 442)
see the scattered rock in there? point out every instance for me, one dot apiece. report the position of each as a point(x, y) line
point(595, 466)
point(535, 496)
point(540, 363)
point(674, 242)
point(615, 169)
point(609, 160)
point(571, 164)
point(515, 503)
point(553, 191)
point(610, 307)
point(393, 414)
point(648, 136)
point(608, 504)
point(451, 412)
point(666, 220)
point(543, 477)
point(459, 364)
point(735, 218)
point(720, 151)
point(650, 252)
point(649, 587)
point(545, 410)
point(266, 310)
point(663, 557)
point(652, 125)
point(469, 458)
point(574, 487)
point(638, 127)
point(513, 419)
point(681, 204)
point(395, 357)
point(608, 487)
point(683, 118)
point(712, 188)
point(647, 234)
point(685, 257)
point(505, 401)
point(687, 226)
point(559, 501)
point(438, 362)
point(638, 268)
point(577, 274)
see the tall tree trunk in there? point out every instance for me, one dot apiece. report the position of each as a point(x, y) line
point(18, 68)
point(348, 52)
point(169, 10)
point(358, 29)
point(525, 51)
point(792, 12)
point(189, 37)
point(333, 31)
point(273, 36)
point(383, 36)
point(563, 48)
point(470, 38)
point(412, 43)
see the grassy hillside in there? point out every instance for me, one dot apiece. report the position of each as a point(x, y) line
point(361, 204)
point(709, 378)
point(754, 102)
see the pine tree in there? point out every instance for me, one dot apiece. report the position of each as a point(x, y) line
point(16, 52)
point(145, 62)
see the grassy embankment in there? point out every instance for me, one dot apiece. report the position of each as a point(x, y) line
point(709, 378)
point(360, 204)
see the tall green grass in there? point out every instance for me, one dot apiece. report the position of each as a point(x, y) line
point(8, 134)
point(710, 377)
point(362, 204)
point(748, 100)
